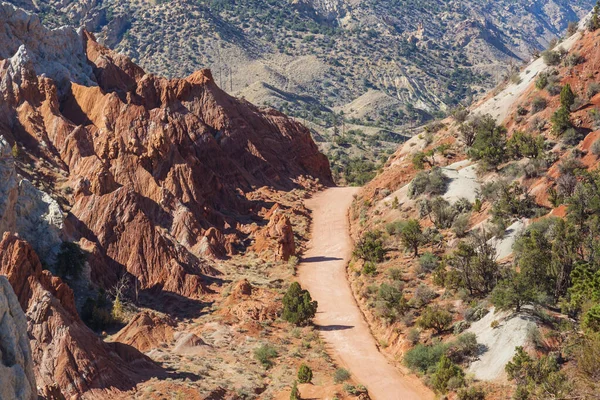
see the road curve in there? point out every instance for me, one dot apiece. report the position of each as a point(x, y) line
point(347, 335)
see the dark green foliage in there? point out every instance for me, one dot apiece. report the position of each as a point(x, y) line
point(298, 306)
point(473, 265)
point(423, 358)
point(265, 355)
point(70, 261)
point(464, 348)
point(513, 293)
point(594, 23)
point(591, 319)
point(411, 236)
point(96, 312)
point(370, 247)
point(541, 81)
point(305, 374)
point(512, 200)
point(567, 97)
point(435, 318)
point(525, 145)
point(489, 145)
point(447, 376)
point(341, 375)
point(537, 378)
point(561, 121)
point(390, 303)
point(471, 393)
point(369, 268)
point(295, 393)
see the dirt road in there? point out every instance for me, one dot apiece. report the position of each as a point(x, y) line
point(323, 273)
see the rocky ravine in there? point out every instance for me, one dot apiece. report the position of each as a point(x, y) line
point(153, 178)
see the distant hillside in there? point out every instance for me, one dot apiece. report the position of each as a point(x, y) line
point(309, 58)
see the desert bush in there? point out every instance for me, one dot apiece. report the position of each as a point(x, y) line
point(591, 319)
point(369, 268)
point(413, 336)
point(341, 375)
point(464, 348)
point(460, 227)
point(432, 182)
point(442, 213)
point(596, 148)
point(423, 295)
point(471, 393)
point(435, 318)
point(574, 59)
point(390, 302)
point(422, 358)
point(463, 205)
point(447, 376)
point(395, 274)
point(474, 314)
point(460, 114)
point(305, 374)
point(538, 104)
point(593, 89)
point(265, 355)
point(298, 306)
point(460, 327)
point(428, 262)
point(551, 57)
point(541, 81)
point(553, 89)
point(370, 247)
point(412, 236)
point(96, 312)
point(295, 393)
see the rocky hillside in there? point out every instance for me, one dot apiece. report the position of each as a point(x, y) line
point(379, 64)
point(476, 261)
point(129, 197)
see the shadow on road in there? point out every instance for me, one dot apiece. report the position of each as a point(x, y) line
point(333, 327)
point(319, 259)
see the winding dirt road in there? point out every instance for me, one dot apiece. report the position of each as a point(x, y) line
point(348, 338)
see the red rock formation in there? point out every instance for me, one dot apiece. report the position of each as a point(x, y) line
point(66, 353)
point(159, 169)
point(276, 240)
point(146, 331)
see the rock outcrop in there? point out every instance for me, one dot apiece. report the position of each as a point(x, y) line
point(17, 380)
point(276, 240)
point(147, 331)
point(155, 173)
point(66, 353)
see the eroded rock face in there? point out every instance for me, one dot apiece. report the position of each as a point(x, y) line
point(155, 172)
point(68, 356)
point(26, 210)
point(147, 331)
point(17, 380)
point(276, 240)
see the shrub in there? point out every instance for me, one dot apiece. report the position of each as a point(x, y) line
point(96, 314)
point(305, 374)
point(591, 319)
point(442, 213)
point(474, 314)
point(341, 375)
point(391, 303)
point(574, 59)
point(413, 336)
point(460, 227)
point(428, 182)
point(465, 347)
point(541, 81)
point(593, 89)
point(553, 89)
point(15, 151)
point(471, 393)
point(490, 142)
point(423, 295)
point(370, 247)
point(460, 114)
point(411, 236)
point(538, 104)
point(460, 327)
point(369, 268)
point(435, 318)
point(418, 160)
point(428, 262)
point(422, 358)
point(298, 306)
point(495, 324)
point(265, 355)
point(447, 376)
point(70, 260)
point(596, 148)
point(551, 57)
point(295, 393)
